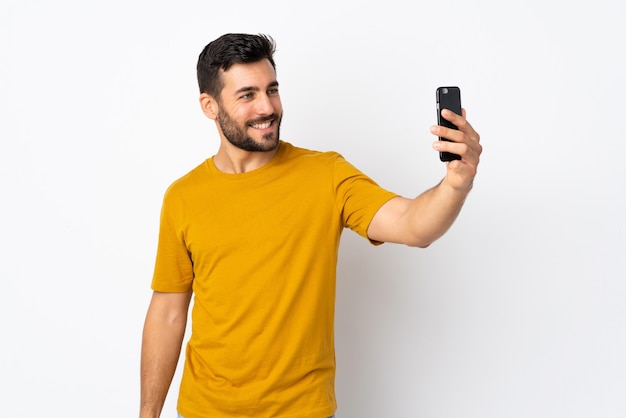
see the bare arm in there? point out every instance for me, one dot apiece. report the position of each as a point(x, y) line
point(162, 339)
point(420, 221)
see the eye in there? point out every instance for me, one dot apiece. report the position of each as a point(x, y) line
point(273, 92)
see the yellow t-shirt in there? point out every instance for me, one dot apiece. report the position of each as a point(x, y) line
point(259, 250)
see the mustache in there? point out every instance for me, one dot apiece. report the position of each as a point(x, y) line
point(269, 118)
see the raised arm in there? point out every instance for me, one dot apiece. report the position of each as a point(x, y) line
point(163, 334)
point(420, 221)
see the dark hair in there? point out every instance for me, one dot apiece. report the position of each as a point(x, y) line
point(229, 49)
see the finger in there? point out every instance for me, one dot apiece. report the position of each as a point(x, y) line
point(458, 143)
point(448, 133)
point(461, 123)
point(460, 149)
point(467, 165)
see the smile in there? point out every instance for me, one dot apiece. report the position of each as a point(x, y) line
point(263, 125)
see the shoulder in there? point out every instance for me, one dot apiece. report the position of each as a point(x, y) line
point(290, 152)
point(191, 180)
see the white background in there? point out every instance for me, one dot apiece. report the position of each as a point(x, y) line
point(519, 311)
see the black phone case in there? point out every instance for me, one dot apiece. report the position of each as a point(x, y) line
point(448, 98)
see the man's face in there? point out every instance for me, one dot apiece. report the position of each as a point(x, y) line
point(250, 110)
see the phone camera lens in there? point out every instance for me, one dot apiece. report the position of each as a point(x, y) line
point(444, 91)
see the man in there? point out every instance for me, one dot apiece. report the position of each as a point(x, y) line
point(253, 233)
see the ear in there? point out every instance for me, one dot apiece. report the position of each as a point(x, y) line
point(209, 106)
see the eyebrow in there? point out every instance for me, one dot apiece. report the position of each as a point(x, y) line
point(250, 88)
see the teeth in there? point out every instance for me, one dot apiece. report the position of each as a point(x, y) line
point(262, 125)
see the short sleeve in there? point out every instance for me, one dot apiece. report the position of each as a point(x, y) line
point(358, 196)
point(173, 271)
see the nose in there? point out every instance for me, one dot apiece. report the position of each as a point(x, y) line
point(264, 105)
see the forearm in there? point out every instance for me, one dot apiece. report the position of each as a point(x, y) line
point(420, 221)
point(161, 345)
point(432, 213)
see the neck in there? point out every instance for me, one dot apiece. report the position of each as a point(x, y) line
point(232, 160)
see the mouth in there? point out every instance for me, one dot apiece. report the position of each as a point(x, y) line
point(262, 125)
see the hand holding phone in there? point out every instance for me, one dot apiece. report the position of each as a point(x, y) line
point(448, 98)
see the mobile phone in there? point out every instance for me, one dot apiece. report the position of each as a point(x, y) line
point(448, 98)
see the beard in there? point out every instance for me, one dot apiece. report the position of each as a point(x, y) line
point(236, 134)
